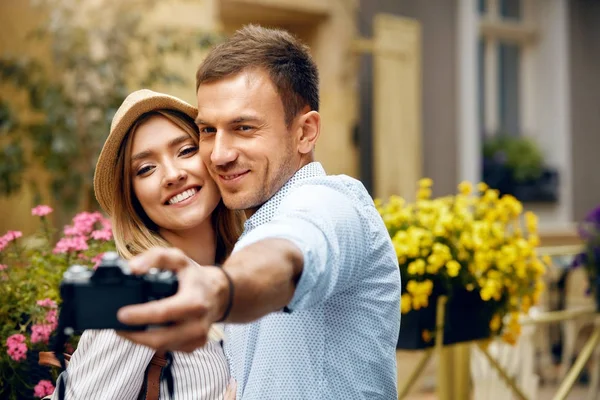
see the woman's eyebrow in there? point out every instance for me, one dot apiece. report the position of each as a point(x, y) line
point(148, 153)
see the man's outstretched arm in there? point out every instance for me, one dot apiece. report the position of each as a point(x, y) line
point(264, 275)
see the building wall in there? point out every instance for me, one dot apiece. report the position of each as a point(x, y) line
point(438, 22)
point(584, 32)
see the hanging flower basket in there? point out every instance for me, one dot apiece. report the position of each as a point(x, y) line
point(477, 248)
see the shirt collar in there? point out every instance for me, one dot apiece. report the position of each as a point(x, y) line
point(266, 211)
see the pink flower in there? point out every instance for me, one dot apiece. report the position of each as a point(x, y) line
point(84, 222)
point(71, 231)
point(41, 333)
point(104, 234)
point(3, 267)
point(52, 318)
point(96, 260)
point(68, 244)
point(12, 235)
point(41, 210)
point(43, 388)
point(17, 349)
point(47, 303)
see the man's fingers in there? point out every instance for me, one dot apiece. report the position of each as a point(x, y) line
point(170, 309)
point(186, 337)
point(167, 258)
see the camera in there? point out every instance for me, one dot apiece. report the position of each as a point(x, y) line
point(91, 299)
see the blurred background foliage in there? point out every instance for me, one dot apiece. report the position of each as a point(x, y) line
point(98, 52)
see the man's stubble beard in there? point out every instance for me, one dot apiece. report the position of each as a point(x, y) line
point(264, 193)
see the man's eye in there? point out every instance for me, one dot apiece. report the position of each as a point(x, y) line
point(207, 130)
point(245, 128)
point(144, 170)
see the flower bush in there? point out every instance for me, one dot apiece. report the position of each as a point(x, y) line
point(31, 269)
point(469, 240)
point(589, 258)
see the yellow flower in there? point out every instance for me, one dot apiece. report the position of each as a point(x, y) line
point(426, 335)
point(482, 187)
point(424, 193)
point(416, 267)
point(405, 303)
point(496, 323)
point(547, 260)
point(425, 183)
point(509, 337)
point(526, 304)
point(531, 221)
point(453, 268)
point(420, 292)
point(465, 188)
point(534, 240)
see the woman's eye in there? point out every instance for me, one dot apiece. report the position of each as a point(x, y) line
point(188, 150)
point(143, 170)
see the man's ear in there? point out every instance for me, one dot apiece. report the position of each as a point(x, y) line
point(309, 129)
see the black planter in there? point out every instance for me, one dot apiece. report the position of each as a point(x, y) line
point(467, 318)
point(543, 189)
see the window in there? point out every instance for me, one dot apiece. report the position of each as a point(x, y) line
point(506, 36)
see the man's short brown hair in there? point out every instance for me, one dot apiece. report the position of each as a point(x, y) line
point(284, 57)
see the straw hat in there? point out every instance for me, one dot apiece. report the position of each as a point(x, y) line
point(133, 107)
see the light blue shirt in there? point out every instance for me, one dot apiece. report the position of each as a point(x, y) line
point(337, 340)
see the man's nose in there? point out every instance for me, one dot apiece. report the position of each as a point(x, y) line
point(223, 151)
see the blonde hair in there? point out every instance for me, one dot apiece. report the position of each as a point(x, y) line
point(133, 230)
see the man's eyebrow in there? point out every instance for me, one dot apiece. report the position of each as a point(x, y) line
point(237, 120)
point(244, 118)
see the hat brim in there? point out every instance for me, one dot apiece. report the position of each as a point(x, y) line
point(134, 106)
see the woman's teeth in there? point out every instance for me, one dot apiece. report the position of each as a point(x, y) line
point(182, 196)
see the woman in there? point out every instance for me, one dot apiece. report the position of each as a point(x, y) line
point(151, 181)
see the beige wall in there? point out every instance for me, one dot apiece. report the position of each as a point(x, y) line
point(16, 19)
point(584, 21)
point(438, 27)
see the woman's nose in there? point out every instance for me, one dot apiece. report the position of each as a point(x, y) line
point(173, 175)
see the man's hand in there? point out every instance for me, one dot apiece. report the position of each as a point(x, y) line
point(200, 300)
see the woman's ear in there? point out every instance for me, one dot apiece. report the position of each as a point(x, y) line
point(309, 131)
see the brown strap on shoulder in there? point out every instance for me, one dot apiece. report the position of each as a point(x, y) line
point(48, 359)
point(153, 376)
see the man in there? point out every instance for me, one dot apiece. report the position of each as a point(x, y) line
point(314, 275)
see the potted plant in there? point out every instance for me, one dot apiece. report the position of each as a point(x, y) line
point(31, 269)
point(477, 249)
point(515, 165)
point(589, 258)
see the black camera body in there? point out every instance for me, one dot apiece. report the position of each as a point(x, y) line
point(91, 299)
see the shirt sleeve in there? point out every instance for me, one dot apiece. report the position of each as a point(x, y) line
point(323, 223)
